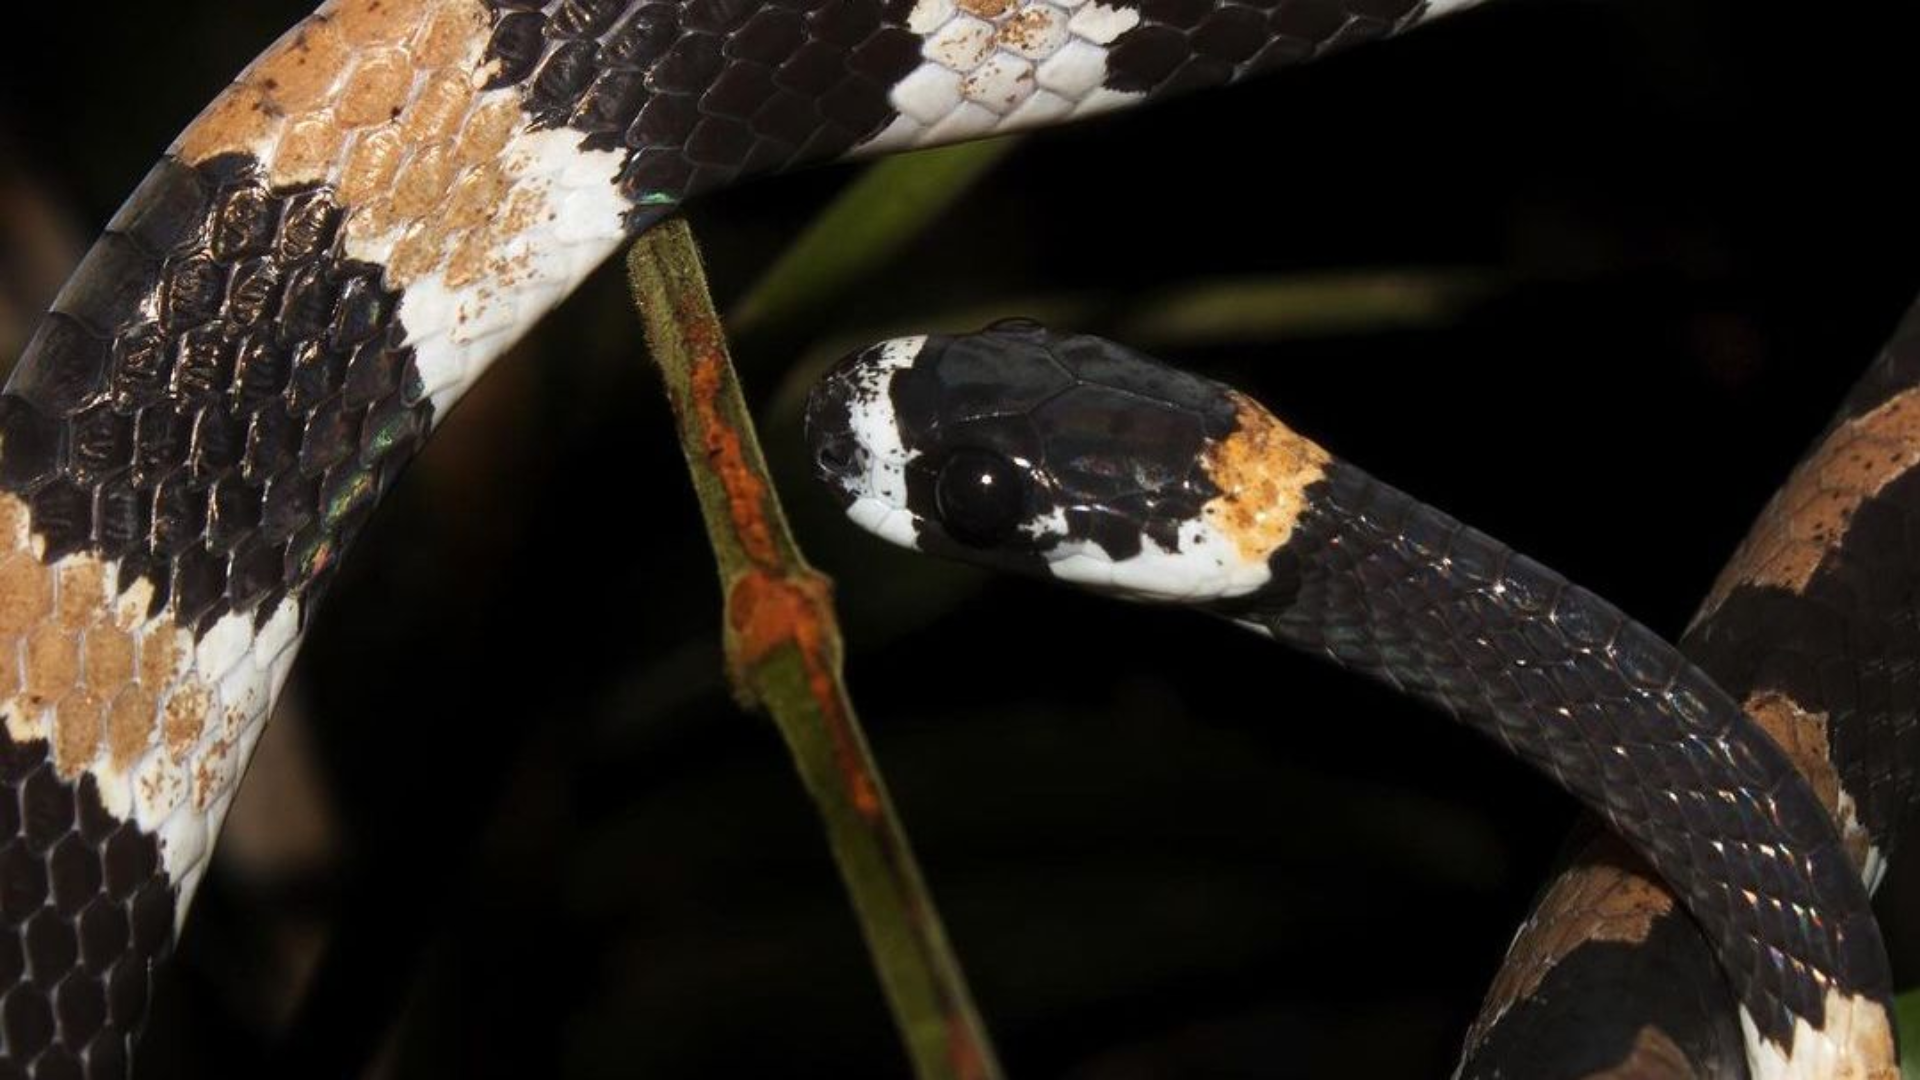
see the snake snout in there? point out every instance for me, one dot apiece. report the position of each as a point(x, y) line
point(838, 457)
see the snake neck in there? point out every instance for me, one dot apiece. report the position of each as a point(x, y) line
point(1378, 582)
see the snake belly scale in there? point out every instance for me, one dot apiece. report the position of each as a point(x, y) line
point(321, 264)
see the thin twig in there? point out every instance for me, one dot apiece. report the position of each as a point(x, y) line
point(783, 649)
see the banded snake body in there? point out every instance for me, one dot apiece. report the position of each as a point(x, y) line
point(319, 268)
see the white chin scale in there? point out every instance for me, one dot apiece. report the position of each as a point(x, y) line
point(1204, 564)
point(880, 495)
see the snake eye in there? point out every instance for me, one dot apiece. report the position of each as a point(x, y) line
point(981, 497)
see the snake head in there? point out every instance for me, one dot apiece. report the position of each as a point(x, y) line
point(1061, 455)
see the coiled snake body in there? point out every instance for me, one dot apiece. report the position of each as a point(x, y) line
point(317, 270)
point(1075, 458)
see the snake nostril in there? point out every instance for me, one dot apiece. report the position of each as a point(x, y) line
point(838, 456)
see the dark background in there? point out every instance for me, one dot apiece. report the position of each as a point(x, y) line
point(510, 823)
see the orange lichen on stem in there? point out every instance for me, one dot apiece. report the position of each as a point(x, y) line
point(783, 650)
point(737, 469)
point(766, 613)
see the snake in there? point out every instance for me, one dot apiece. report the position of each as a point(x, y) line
point(1811, 626)
point(1077, 459)
point(312, 276)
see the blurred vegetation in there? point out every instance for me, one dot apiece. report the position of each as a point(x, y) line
point(1909, 1007)
point(875, 219)
point(1589, 275)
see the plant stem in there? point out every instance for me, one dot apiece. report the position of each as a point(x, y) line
point(784, 654)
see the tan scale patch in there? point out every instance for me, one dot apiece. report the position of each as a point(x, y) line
point(79, 723)
point(10, 681)
point(488, 130)
point(302, 76)
point(15, 525)
point(422, 185)
point(377, 91)
point(448, 41)
point(380, 22)
point(162, 724)
point(108, 659)
point(26, 588)
point(469, 261)
point(1809, 517)
point(213, 771)
point(385, 100)
point(76, 667)
point(82, 587)
point(373, 165)
point(310, 147)
point(183, 719)
point(441, 107)
point(1609, 897)
point(986, 9)
point(1803, 735)
point(130, 726)
point(53, 663)
point(1263, 471)
point(161, 657)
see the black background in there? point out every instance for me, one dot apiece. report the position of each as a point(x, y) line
point(550, 845)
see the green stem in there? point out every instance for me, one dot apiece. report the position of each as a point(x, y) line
point(783, 649)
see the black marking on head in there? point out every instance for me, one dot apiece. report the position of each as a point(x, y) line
point(219, 396)
point(88, 918)
point(1183, 45)
point(1110, 440)
point(838, 457)
point(699, 94)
